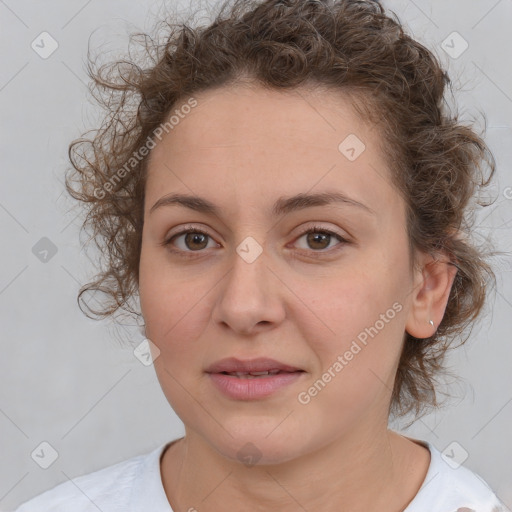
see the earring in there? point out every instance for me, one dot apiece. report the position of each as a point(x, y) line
point(431, 323)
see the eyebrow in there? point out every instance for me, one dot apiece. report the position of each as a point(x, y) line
point(281, 207)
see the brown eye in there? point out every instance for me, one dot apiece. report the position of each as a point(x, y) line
point(319, 239)
point(193, 240)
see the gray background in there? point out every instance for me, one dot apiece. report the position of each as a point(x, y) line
point(66, 379)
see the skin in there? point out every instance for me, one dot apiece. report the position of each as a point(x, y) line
point(300, 303)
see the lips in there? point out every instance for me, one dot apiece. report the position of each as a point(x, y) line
point(253, 375)
point(255, 379)
point(254, 368)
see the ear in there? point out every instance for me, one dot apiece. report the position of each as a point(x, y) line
point(433, 280)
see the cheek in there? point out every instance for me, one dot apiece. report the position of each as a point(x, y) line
point(346, 304)
point(175, 310)
point(356, 331)
point(173, 316)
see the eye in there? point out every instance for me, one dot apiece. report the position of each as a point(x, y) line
point(319, 239)
point(194, 240)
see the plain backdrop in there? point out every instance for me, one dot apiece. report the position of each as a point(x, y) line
point(67, 380)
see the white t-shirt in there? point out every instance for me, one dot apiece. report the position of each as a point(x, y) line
point(135, 485)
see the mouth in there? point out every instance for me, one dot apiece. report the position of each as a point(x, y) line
point(252, 379)
point(255, 375)
point(251, 368)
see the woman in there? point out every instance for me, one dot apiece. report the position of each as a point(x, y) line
point(287, 196)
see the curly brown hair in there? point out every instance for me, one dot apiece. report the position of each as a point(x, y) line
point(348, 46)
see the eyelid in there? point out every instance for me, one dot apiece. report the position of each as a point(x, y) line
point(183, 230)
point(317, 227)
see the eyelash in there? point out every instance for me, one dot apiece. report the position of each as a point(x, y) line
point(314, 229)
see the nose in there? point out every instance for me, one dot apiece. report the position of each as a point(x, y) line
point(250, 297)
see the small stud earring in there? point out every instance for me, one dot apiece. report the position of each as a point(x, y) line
point(431, 323)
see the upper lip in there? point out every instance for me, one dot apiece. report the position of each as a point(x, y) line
point(232, 364)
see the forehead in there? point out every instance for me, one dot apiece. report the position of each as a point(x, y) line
point(268, 116)
point(240, 142)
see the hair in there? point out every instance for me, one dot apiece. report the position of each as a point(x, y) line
point(347, 47)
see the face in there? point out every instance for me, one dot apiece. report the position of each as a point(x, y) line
point(254, 284)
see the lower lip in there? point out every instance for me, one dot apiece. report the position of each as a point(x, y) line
point(253, 389)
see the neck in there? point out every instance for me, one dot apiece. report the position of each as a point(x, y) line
point(355, 472)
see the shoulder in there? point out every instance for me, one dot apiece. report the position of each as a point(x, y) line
point(452, 488)
point(109, 488)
